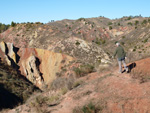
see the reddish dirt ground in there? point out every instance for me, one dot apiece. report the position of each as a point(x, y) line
point(113, 92)
point(142, 65)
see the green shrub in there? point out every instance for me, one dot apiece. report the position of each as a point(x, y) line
point(100, 41)
point(123, 37)
point(110, 27)
point(140, 52)
point(77, 43)
point(64, 90)
point(13, 24)
point(103, 41)
point(129, 18)
point(145, 40)
point(89, 108)
point(80, 19)
point(129, 23)
point(134, 49)
point(109, 23)
point(122, 43)
point(77, 83)
point(3, 27)
point(144, 22)
point(79, 32)
point(136, 22)
point(83, 70)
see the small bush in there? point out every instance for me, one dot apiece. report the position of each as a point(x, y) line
point(80, 19)
point(77, 83)
point(123, 37)
point(41, 102)
point(110, 27)
point(79, 32)
point(136, 22)
point(83, 69)
point(103, 41)
point(122, 43)
point(129, 18)
point(109, 23)
point(149, 20)
point(89, 108)
point(100, 41)
point(38, 103)
point(129, 23)
point(77, 43)
point(145, 40)
point(144, 22)
point(64, 90)
point(134, 49)
point(13, 24)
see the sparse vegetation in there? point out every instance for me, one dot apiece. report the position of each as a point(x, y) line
point(99, 41)
point(129, 23)
point(136, 22)
point(110, 23)
point(123, 37)
point(77, 83)
point(149, 20)
point(144, 22)
point(39, 102)
point(83, 70)
point(3, 27)
point(80, 19)
point(17, 87)
point(77, 43)
point(68, 81)
point(145, 40)
point(110, 27)
point(13, 24)
point(89, 108)
point(129, 18)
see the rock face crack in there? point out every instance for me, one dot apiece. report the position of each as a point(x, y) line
point(11, 56)
point(32, 67)
point(38, 65)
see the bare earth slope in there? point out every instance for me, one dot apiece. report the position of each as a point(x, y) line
point(52, 55)
point(14, 88)
point(109, 91)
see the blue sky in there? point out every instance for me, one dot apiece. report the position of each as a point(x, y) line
point(47, 10)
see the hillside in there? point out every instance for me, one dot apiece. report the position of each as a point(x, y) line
point(105, 92)
point(132, 32)
point(14, 88)
point(71, 62)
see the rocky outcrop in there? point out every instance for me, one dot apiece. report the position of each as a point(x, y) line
point(38, 65)
point(81, 49)
point(41, 66)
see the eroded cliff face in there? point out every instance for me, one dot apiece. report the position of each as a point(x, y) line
point(37, 65)
point(80, 49)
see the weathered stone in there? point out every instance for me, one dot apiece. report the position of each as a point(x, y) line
point(38, 65)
